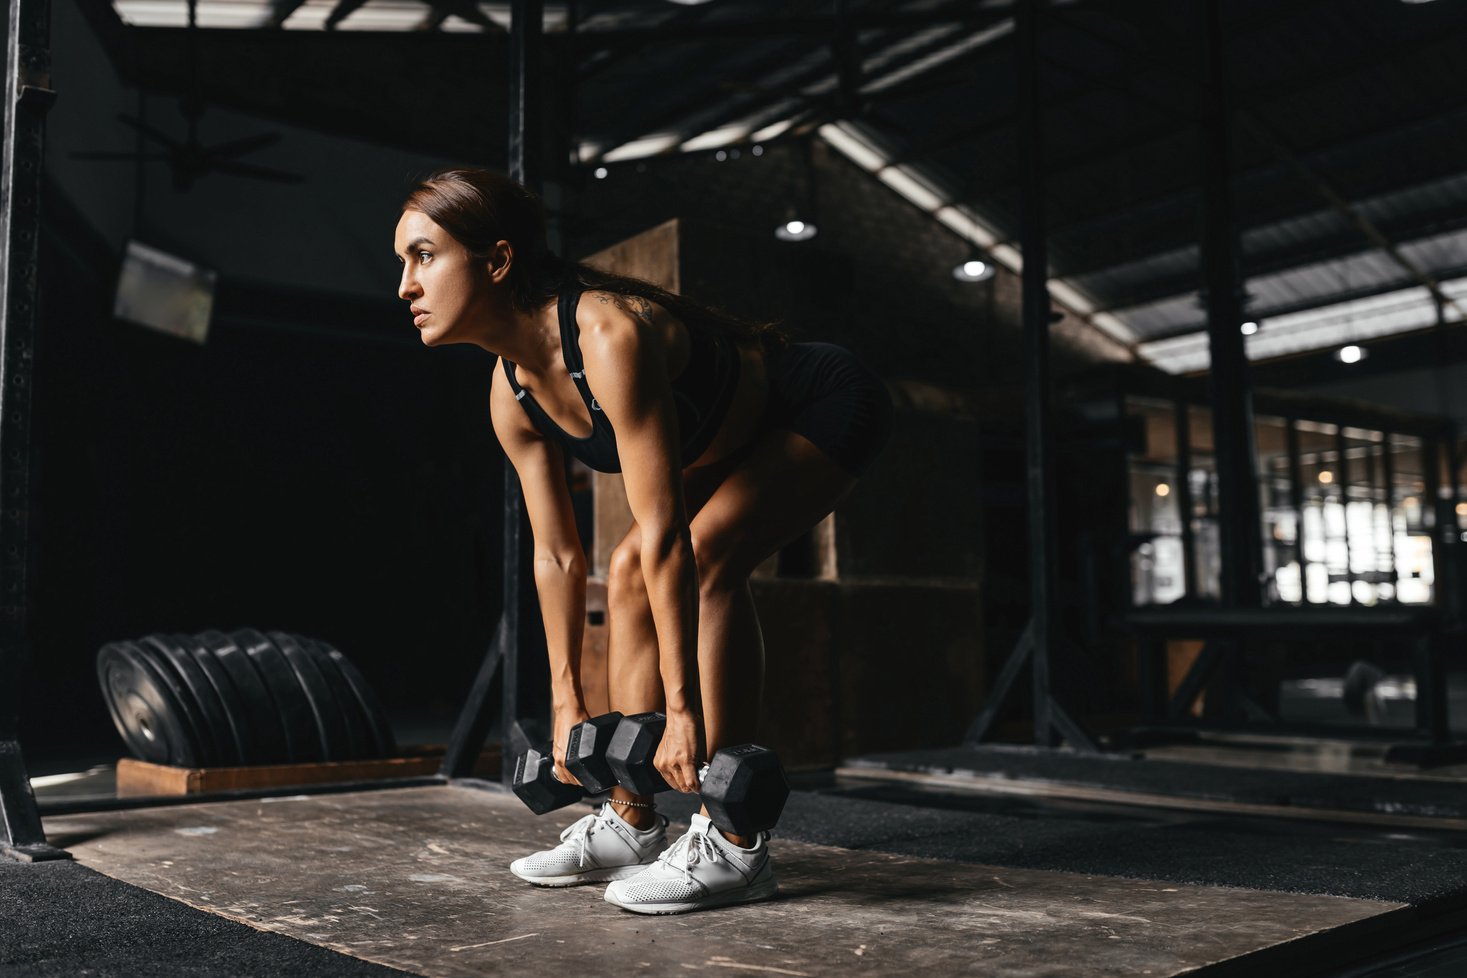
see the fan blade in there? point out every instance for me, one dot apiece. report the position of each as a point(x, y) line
point(104, 155)
point(263, 172)
point(239, 147)
point(342, 10)
point(466, 10)
point(280, 11)
point(148, 131)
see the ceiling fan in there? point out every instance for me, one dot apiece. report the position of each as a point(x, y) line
point(189, 159)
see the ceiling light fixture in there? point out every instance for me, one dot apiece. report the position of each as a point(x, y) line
point(1351, 354)
point(795, 230)
point(975, 269)
point(802, 214)
point(1249, 328)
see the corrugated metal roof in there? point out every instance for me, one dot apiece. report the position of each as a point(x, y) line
point(1361, 101)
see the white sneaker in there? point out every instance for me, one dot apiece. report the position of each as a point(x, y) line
point(698, 871)
point(595, 848)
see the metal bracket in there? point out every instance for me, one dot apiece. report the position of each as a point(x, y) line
point(37, 96)
point(39, 852)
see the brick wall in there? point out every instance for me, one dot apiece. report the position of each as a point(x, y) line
point(877, 278)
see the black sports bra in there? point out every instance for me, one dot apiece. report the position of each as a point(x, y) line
point(702, 392)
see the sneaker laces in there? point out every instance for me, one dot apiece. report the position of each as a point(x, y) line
point(692, 848)
point(577, 833)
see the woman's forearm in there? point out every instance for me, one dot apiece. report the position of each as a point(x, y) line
point(671, 576)
point(562, 588)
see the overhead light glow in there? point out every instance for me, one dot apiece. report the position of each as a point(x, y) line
point(757, 150)
point(600, 173)
point(973, 270)
point(795, 231)
point(1249, 328)
point(720, 156)
point(1163, 490)
point(1351, 354)
point(1326, 477)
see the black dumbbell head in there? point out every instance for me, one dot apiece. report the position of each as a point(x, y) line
point(745, 789)
point(585, 752)
point(538, 787)
point(632, 750)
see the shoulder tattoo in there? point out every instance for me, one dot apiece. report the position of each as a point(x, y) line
point(632, 305)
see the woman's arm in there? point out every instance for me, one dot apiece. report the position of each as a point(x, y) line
point(560, 562)
point(626, 367)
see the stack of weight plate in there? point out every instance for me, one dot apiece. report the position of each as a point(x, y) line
point(240, 698)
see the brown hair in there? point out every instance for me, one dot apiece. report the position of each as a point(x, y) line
point(480, 207)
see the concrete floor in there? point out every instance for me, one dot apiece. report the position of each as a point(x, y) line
point(416, 879)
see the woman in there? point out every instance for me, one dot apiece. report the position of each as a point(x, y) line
point(731, 441)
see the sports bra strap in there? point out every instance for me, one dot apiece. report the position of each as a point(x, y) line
point(570, 342)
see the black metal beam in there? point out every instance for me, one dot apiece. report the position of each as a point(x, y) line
point(525, 712)
point(1052, 724)
point(523, 676)
point(1182, 415)
point(752, 106)
point(28, 96)
point(589, 64)
point(955, 15)
point(1060, 166)
point(1404, 230)
point(1229, 387)
point(1038, 446)
point(1263, 313)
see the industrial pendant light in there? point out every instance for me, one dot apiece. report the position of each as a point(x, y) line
point(977, 267)
point(800, 216)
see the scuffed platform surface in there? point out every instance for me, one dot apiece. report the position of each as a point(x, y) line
point(416, 879)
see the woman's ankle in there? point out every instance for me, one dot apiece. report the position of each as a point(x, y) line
point(635, 815)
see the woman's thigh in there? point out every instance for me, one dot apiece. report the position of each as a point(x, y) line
point(781, 489)
point(698, 485)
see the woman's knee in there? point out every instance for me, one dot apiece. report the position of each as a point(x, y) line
point(720, 568)
point(624, 571)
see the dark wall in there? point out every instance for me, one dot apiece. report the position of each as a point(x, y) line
point(311, 468)
point(877, 278)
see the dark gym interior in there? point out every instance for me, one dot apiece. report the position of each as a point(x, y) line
point(1141, 648)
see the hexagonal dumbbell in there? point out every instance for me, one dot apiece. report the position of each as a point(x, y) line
point(537, 786)
point(585, 753)
point(631, 750)
point(743, 787)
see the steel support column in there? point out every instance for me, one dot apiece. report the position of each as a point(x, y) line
point(28, 96)
point(523, 675)
point(1038, 441)
point(1229, 385)
point(526, 707)
point(1052, 724)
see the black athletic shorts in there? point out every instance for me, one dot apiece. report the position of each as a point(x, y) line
point(821, 391)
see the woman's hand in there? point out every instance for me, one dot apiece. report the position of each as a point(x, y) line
point(564, 719)
point(680, 751)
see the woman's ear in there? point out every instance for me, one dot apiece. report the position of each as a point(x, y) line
point(501, 259)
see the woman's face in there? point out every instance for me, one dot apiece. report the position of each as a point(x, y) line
point(447, 288)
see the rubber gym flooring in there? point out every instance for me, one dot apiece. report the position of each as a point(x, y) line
point(877, 878)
